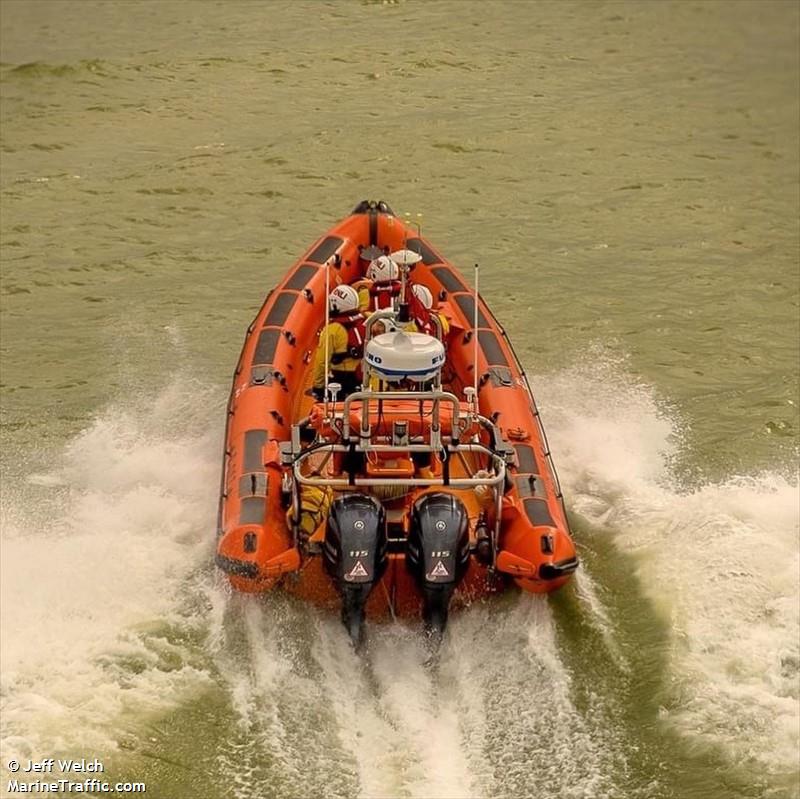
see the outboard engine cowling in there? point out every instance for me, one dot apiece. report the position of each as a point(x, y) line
point(438, 554)
point(354, 555)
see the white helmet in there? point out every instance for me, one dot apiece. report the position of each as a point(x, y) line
point(383, 269)
point(423, 294)
point(343, 299)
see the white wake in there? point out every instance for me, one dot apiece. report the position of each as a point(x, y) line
point(720, 562)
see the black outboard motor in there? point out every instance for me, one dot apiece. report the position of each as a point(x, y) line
point(354, 555)
point(438, 555)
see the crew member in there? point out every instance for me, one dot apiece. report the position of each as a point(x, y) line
point(385, 288)
point(422, 313)
point(345, 344)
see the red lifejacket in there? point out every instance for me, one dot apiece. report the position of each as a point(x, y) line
point(354, 324)
point(420, 314)
point(384, 293)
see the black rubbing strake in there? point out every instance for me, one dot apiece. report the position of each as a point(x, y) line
point(267, 344)
point(527, 459)
point(448, 279)
point(530, 486)
point(279, 312)
point(538, 512)
point(252, 510)
point(325, 249)
point(428, 255)
point(254, 441)
point(253, 485)
point(373, 226)
point(301, 276)
point(467, 304)
point(491, 348)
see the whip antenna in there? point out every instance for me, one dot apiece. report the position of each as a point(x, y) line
point(405, 260)
point(327, 322)
point(475, 337)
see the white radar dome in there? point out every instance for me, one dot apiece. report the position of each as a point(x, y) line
point(399, 355)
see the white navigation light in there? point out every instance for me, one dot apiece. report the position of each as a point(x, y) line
point(399, 356)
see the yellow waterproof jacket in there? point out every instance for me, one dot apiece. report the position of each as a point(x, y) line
point(364, 300)
point(337, 337)
point(413, 327)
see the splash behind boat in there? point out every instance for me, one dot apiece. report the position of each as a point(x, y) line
point(432, 485)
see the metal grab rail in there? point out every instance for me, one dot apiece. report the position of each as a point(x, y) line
point(344, 482)
point(436, 396)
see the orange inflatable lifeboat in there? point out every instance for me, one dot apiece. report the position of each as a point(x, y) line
point(429, 484)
